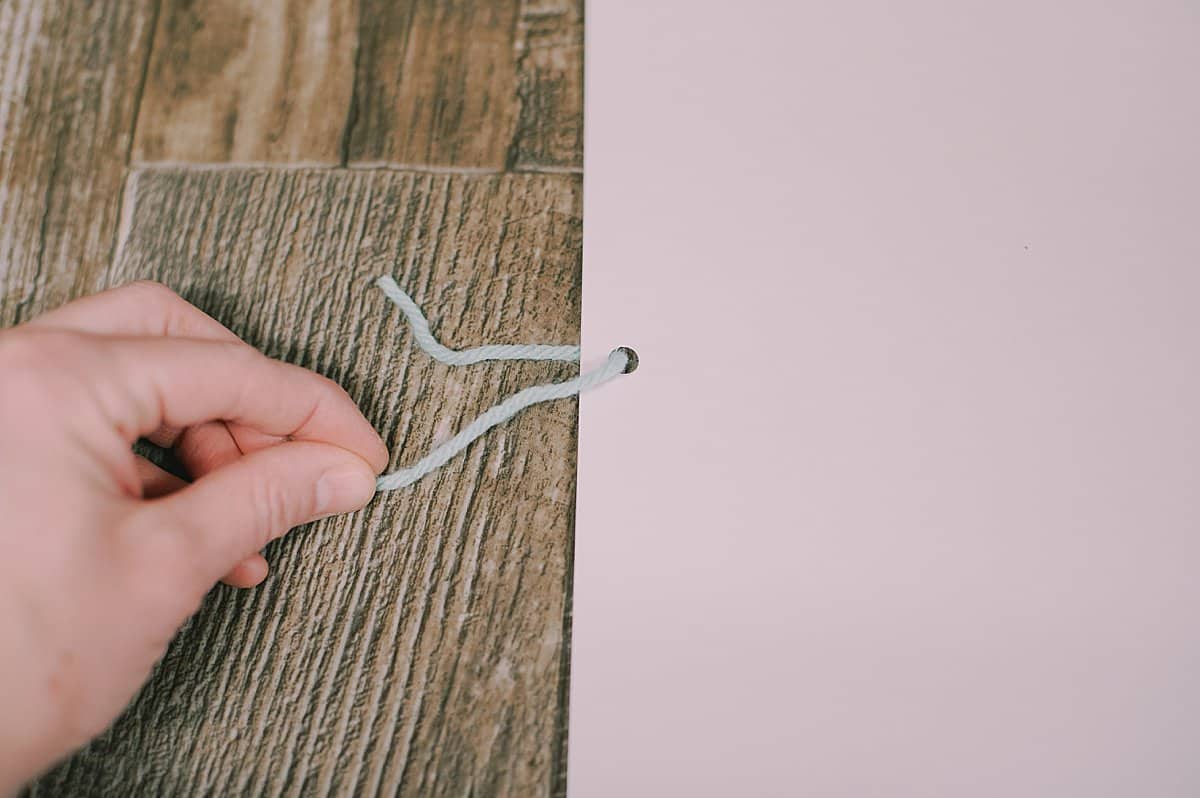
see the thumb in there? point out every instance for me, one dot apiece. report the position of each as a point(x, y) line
point(232, 512)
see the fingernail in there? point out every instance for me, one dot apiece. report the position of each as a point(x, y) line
point(343, 489)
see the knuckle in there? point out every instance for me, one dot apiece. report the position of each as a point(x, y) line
point(29, 360)
point(165, 302)
point(237, 354)
point(328, 397)
point(241, 349)
point(152, 290)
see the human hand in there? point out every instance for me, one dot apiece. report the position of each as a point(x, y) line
point(103, 555)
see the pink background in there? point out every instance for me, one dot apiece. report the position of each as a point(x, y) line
point(903, 500)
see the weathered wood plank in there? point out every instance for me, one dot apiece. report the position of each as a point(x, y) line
point(436, 83)
point(549, 86)
point(261, 82)
point(70, 76)
point(476, 84)
point(487, 84)
point(417, 647)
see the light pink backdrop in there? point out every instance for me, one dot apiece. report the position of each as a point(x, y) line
point(905, 499)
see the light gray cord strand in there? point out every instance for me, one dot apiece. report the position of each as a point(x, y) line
point(620, 361)
point(498, 414)
point(464, 357)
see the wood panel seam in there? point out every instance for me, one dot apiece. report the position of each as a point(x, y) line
point(352, 110)
point(124, 197)
point(357, 166)
point(140, 91)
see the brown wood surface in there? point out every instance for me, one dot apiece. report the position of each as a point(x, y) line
point(483, 85)
point(419, 646)
point(249, 82)
point(70, 78)
point(486, 84)
point(549, 87)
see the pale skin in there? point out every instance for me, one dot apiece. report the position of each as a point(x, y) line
point(103, 555)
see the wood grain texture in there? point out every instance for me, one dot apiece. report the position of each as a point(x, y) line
point(232, 81)
point(485, 84)
point(549, 86)
point(418, 647)
point(471, 84)
point(70, 77)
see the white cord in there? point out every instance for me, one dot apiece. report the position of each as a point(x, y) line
point(620, 361)
point(465, 357)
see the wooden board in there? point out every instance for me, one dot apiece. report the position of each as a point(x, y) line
point(418, 647)
point(233, 81)
point(487, 84)
point(70, 77)
point(476, 84)
point(550, 87)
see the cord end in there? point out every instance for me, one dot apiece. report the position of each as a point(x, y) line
point(631, 359)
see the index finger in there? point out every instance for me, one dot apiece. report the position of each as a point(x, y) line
point(182, 382)
point(145, 307)
point(142, 307)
